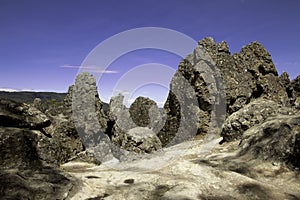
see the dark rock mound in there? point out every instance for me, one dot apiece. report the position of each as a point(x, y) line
point(18, 148)
point(144, 112)
point(35, 184)
point(23, 174)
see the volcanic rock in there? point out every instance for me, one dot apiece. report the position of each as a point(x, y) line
point(28, 170)
point(223, 84)
point(145, 113)
point(87, 113)
point(277, 139)
point(250, 115)
point(13, 114)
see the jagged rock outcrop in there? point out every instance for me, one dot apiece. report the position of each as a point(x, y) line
point(296, 86)
point(64, 142)
point(55, 140)
point(120, 119)
point(220, 80)
point(250, 115)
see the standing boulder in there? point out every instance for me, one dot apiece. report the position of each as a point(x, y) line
point(87, 112)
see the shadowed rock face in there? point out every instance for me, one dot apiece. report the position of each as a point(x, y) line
point(18, 148)
point(139, 111)
point(20, 115)
point(29, 155)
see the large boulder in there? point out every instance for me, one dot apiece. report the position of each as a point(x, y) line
point(141, 140)
point(55, 139)
point(139, 111)
point(18, 148)
point(250, 115)
point(277, 139)
point(27, 170)
point(63, 144)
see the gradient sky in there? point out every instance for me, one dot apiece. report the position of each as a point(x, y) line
point(40, 39)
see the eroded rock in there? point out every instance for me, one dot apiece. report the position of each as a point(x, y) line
point(277, 139)
point(141, 140)
point(250, 115)
point(128, 135)
point(223, 84)
point(13, 114)
point(145, 113)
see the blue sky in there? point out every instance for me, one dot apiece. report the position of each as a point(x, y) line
point(38, 39)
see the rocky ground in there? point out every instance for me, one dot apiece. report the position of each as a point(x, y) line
point(229, 130)
point(195, 173)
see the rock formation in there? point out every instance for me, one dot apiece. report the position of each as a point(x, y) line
point(239, 97)
point(276, 139)
point(223, 84)
point(19, 115)
point(252, 114)
point(145, 113)
point(87, 112)
point(133, 129)
point(28, 155)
